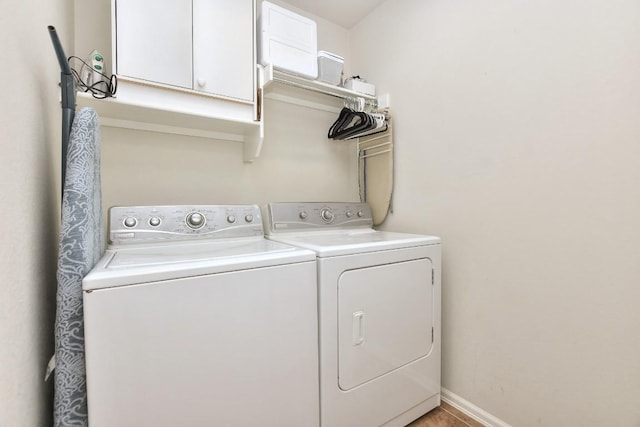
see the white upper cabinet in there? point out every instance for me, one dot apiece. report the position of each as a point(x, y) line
point(223, 60)
point(203, 45)
point(154, 42)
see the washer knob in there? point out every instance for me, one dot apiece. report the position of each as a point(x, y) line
point(248, 218)
point(326, 215)
point(231, 219)
point(154, 221)
point(195, 220)
point(360, 214)
point(130, 222)
point(303, 214)
point(349, 214)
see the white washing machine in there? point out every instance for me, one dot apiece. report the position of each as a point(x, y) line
point(193, 318)
point(379, 312)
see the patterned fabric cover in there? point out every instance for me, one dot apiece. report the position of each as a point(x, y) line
point(81, 245)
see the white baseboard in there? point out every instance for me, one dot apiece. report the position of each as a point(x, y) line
point(468, 408)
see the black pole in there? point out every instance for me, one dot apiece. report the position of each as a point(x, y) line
point(68, 98)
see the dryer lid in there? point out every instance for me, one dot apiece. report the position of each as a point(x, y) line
point(354, 242)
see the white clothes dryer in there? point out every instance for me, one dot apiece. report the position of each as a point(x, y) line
point(193, 318)
point(379, 312)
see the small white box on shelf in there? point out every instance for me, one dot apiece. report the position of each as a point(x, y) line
point(287, 41)
point(330, 67)
point(361, 86)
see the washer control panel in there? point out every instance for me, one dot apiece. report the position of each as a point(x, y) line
point(288, 217)
point(140, 224)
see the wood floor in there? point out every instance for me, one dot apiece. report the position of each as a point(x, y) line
point(445, 416)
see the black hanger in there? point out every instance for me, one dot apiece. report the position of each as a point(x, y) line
point(346, 115)
point(365, 122)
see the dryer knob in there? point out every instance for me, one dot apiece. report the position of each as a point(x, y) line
point(360, 214)
point(303, 215)
point(248, 218)
point(349, 214)
point(231, 219)
point(195, 220)
point(154, 221)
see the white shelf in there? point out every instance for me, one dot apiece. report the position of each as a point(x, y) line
point(155, 117)
point(158, 109)
point(309, 93)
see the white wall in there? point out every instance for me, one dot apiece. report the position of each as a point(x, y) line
point(30, 144)
point(297, 163)
point(517, 136)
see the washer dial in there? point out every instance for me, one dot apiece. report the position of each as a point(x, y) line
point(195, 220)
point(327, 215)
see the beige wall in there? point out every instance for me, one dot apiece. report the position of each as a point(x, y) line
point(30, 144)
point(297, 163)
point(518, 141)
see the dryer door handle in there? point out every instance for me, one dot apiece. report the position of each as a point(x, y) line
point(358, 327)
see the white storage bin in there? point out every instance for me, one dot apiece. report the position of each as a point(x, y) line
point(330, 67)
point(360, 86)
point(287, 41)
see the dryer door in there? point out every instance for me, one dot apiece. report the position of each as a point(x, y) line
point(385, 319)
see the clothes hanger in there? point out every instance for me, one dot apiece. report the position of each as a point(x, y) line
point(343, 118)
point(361, 123)
point(380, 126)
point(353, 122)
point(343, 126)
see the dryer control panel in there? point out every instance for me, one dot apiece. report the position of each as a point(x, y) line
point(141, 224)
point(289, 217)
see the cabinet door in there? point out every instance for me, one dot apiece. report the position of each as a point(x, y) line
point(223, 47)
point(154, 41)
